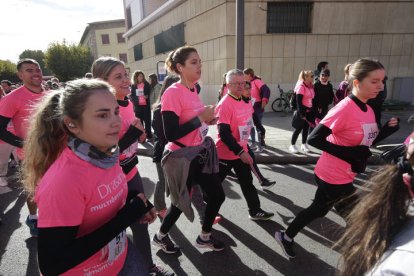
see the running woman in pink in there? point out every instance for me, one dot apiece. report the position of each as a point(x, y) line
point(113, 71)
point(190, 154)
point(344, 135)
point(304, 94)
point(234, 125)
point(72, 167)
point(17, 107)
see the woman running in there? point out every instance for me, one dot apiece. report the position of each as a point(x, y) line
point(344, 136)
point(71, 164)
point(190, 155)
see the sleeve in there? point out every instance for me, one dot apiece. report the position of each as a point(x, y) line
point(59, 250)
point(8, 136)
point(133, 95)
point(130, 137)
point(228, 139)
point(300, 106)
point(265, 93)
point(173, 130)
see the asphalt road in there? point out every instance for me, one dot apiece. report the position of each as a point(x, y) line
point(250, 246)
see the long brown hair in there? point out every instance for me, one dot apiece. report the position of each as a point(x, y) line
point(379, 215)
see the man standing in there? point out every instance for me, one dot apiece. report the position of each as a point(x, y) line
point(17, 107)
point(260, 97)
point(234, 126)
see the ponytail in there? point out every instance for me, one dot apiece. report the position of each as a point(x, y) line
point(45, 140)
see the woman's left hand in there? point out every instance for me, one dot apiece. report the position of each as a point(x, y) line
point(149, 217)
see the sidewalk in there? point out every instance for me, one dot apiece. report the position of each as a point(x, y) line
point(279, 132)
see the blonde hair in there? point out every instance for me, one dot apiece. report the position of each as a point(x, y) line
point(303, 74)
point(47, 134)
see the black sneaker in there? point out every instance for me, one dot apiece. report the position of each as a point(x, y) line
point(286, 245)
point(165, 244)
point(266, 183)
point(212, 243)
point(157, 270)
point(261, 215)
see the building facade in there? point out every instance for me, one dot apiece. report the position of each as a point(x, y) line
point(281, 37)
point(105, 38)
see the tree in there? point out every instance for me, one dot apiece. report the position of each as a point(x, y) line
point(68, 61)
point(8, 71)
point(39, 56)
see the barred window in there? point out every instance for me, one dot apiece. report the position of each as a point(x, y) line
point(289, 17)
point(138, 52)
point(120, 38)
point(105, 39)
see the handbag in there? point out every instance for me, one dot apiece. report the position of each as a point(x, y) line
point(392, 155)
point(297, 121)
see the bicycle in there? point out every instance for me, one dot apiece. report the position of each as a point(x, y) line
point(283, 102)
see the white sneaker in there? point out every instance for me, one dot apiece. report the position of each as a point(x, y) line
point(293, 149)
point(305, 148)
point(3, 181)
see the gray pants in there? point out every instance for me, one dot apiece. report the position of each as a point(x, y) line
point(159, 193)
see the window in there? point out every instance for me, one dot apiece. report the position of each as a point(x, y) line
point(289, 17)
point(105, 39)
point(123, 57)
point(169, 39)
point(120, 38)
point(138, 52)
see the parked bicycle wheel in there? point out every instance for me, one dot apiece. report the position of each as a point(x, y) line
point(280, 105)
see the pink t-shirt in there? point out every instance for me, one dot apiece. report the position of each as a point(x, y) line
point(237, 114)
point(128, 116)
point(140, 94)
point(307, 92)
point(74, 192)
point(256, 84)
point(18, 105)
point(350, 127)
point(186, 105)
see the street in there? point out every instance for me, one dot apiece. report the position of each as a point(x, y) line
point(250, 246)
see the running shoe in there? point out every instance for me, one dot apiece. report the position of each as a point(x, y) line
point(157, 270)
point(305, 148)
point(212, 243)
point(32, 223)
point(266, 183)
point(165, 244)
point(293, 149)
point(287, 246)
point(261, 215)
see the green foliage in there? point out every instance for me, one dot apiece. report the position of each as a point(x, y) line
point(39, 56)
point(8, 71)
point(68, 61)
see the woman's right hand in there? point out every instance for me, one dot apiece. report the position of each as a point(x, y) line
point(207, 114)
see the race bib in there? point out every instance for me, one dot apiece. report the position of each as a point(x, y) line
point(370, 133)
point(117, 246)
point(203, 130)
point(244, 132)
point(139, 92)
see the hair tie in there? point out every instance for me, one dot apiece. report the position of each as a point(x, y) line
point(407, 175)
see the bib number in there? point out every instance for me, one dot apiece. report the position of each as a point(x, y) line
point(203, 130)
point(117, 246)
point(370, 133)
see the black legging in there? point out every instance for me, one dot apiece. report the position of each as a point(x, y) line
point(342, 197)
point(143, 112)
point(304, 130)
point(211, 186)
point(259, 174)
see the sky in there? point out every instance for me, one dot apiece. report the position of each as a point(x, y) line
point(34, 24)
